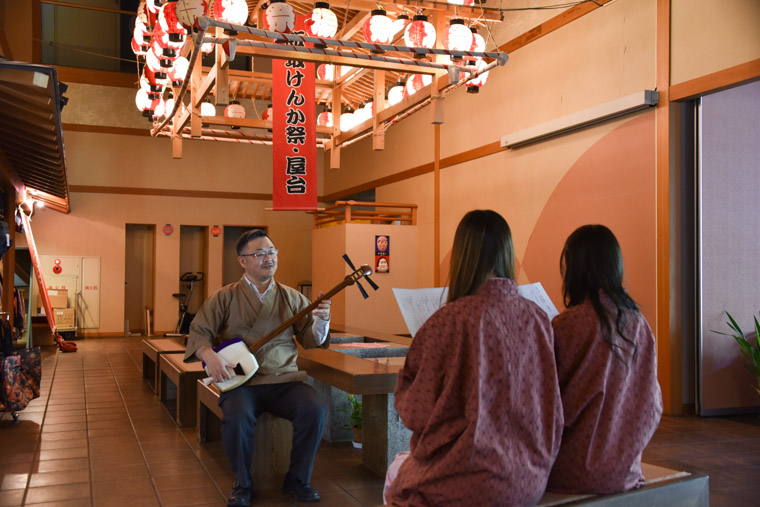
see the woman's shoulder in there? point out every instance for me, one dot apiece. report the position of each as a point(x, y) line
point(575, 314)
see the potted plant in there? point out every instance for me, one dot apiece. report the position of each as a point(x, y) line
point(354, 412)
point(750, 349)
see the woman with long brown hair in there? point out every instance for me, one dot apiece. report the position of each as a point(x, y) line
point(479, 387)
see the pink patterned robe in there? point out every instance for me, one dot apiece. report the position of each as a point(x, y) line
point(479, 392)
point(611, 411)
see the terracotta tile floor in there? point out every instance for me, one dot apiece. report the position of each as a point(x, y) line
point(99, 437)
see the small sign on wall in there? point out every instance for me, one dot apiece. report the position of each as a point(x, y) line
point(382, 254)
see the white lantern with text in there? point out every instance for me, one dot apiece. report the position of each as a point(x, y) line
point(396, 93)
point(420, 33)
point(231, 11)
point(478, 43)
point(208, 109)
point(457, 37)
point(145, 104)
point(280, 16)
point(178, 72)
point(461, 2)
point(321, 21)
point(378, 28)
point(234, 110)
point(417, 82)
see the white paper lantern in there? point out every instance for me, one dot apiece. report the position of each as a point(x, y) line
point(188, 12)
point(396, 93)
point(361, 115)
point(345, 69)
point(234, 110)
point(326, 72)
point(144, 103)
point(457, 37)
point(267, 114)
point(280, 16)
point(378, 28)
point(321, 22)
point(473, 85)
point(208, 109)
point(231, 11)
point(419, 33)
point(347, 121)
point(325, 119)
point(460, 2)
point(178, 72)
point(400, 23)
point(417, 82)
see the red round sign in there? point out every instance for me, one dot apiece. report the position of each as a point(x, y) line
point(216, 231)
point(168, 229)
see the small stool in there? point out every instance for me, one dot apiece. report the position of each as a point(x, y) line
point(176, 387)
point(151, 350)
point(272, 439)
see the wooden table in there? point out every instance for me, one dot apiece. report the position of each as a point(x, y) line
point(372, 379)
point(152, 348)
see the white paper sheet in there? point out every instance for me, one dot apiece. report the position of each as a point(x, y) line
point(417, 305)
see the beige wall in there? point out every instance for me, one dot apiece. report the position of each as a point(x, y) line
point(708, 36)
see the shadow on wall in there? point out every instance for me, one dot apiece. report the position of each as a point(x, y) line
point(612, 183)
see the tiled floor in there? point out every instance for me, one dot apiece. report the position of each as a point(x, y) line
point(98, 437)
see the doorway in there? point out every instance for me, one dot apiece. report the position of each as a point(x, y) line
point(139, 276)
point(231, 270)
point(193, 247)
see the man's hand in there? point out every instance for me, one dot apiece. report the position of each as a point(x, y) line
point(216, 367)
point(323, 310)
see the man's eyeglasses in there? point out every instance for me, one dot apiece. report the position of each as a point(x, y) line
point(260, 254)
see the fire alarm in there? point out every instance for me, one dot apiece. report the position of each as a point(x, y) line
point(57, 269)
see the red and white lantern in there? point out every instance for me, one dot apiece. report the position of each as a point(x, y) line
point(325, 119)
point(267, 114)
point(167, 18)
point(378, 28)
point(150, 84)
point(326, 72)
point(420, 33)
point(347, 120)
point(474, 85)
point(401, 22)
point(417, 82)
point(361, 115)
point(397, 93)
point(321, 22)
point(280, 17)
point(478, 43)
point(234, 110)
point(154, 62)
point(461, 2)
point(457, 37)
point(145, 104)
point(231, 11)
point(345, 69)
point(188, 12)
point(178, 72)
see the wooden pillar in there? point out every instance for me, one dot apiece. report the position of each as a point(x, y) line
point(437, 206)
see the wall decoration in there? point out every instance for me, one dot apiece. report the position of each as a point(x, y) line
point(168, 230)
point(382, 253)
point(216, 231)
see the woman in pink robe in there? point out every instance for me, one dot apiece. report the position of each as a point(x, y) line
point(479, 387)
point(607, 370)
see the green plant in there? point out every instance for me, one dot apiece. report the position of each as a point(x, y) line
point(354, 412)
point(750, 350)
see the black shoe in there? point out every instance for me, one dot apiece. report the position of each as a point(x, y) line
point(240, 496)
point(301, 491)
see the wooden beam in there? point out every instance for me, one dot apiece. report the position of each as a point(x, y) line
point(437, 205)
point(101, 129)
point(336, 111)
point(354, 25)
point(717, 81)
point(378, 104)
point(222, 81)
point(9, 259)
point(97, 77)
point(168, 192)
point(397, 7)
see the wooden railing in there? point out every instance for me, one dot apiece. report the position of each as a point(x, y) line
point(367, 212)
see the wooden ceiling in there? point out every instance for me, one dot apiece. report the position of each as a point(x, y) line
point(31, 139)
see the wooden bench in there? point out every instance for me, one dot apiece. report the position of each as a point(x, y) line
point(664, 486)
point(272, 439)
point(176, 387)
point(152, 348)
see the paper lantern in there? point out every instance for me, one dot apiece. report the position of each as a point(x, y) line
point(419, 33)
point(160, 110)
point(150, 84)
point(396, 93)
point(473, 85)
point(234, 110)
point(153, 61)
point(178, 72)
point(460, 2)
point(361, 115)
point(345, 69)
point(153, 5)
point(231, 11)
point(321, 22)
point(139, 48)
point(326, 72)
point(208, 109)
point(169, 105)
point(478, 44)
point(168, 40)
point(280, 16)
point(370, 107)
point(145, 104)
point(325, 119)
point(267, 114)
point(347, 121)
point(417, 82)
point(400, 23)
point(141, 32)
point(167, 18)
point(457, 37)
point(378, 28)
point(188, 12)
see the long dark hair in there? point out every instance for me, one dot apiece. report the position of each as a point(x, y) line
point(482, 248)
point(592, 262)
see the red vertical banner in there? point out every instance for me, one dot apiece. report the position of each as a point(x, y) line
point(294, 146)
